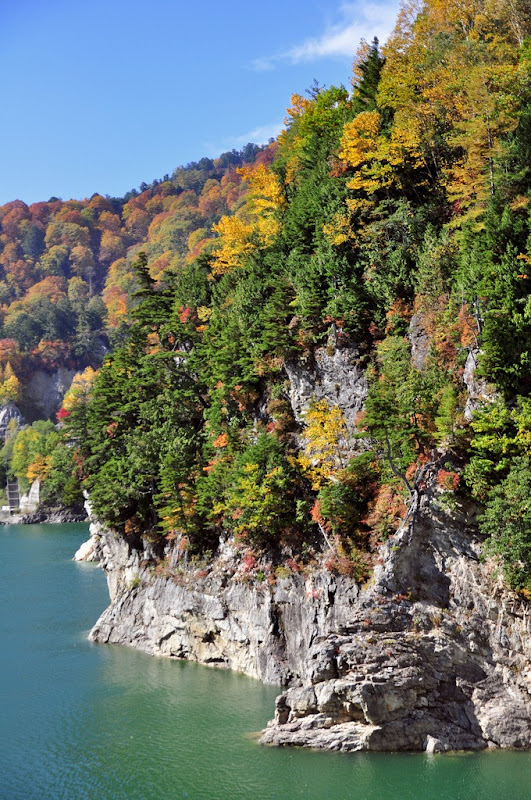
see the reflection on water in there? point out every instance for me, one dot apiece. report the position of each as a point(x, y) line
point(91, 722)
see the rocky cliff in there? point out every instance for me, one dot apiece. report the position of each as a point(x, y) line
point(45, 391)
point(432, 654)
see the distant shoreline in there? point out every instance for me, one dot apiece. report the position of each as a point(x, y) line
point(44, 517)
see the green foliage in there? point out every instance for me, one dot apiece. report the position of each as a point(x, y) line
point(507, 523)
point(343, 503)
point(392, 408)
point(259, 502)
point(395, 218)
point(39, 452)
point(501, 434)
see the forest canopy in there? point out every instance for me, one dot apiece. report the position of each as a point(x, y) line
point(394, 211)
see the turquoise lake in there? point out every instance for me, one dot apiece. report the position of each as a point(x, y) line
point(80, 721)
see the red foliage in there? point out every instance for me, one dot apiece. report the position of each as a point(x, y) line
point(249, 561)
point(184, 314)
point(448, 480)
point(386, 511)
point(51, 355)
point(293, 565)
point(339, 564)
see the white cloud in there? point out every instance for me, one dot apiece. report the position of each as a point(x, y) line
point(362, 20)
point(259, 135)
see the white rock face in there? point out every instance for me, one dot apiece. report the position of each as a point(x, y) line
point(87, 551)
point(216, 619)
point(29, 502)
point(334, 374)
point(479, 391)
point(7, 413)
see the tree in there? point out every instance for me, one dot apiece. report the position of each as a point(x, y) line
point(326, 447)
point(507, 523)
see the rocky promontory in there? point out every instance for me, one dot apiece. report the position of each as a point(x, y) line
point(432, 654)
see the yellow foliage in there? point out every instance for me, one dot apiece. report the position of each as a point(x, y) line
point(204, 313)
point(374, 155)
point(80, 390)
point(359, 142)
point(39, 469)
point(10, 389)
point(488, 111)
point(235, 243)
point(266, 192)
point(299, 105)
point(471, 90)
point(239, 236)
point(338, 230)
point(326, 437)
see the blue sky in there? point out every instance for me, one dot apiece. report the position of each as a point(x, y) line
point(100, 96)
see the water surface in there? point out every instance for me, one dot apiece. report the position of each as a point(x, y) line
point(80, 721)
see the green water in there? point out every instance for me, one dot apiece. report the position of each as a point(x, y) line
point(80, 721)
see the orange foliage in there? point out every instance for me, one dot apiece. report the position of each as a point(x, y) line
point(115, 300)
point(221, 441)
point(469, 327)
point(448, 480)
point(9, 351)
point(39, 469)
point(53, 287)
point(52, 354)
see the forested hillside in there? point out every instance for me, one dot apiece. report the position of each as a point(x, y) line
point(67, 286)
point(65, 267)
point(391, 218)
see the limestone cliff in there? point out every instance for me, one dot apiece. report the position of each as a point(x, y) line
point(432, 654)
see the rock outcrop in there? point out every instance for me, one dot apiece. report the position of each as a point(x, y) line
point(436, 655)
point(45, 390)
point(217, 618)
point(478, 390)
point(8, 412)
point(336, 373)
point(29, 502)
point(53, 516)
point(86, 551)
point(432, 655)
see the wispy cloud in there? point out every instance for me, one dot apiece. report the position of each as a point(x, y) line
point(362, 20)
point(259, 135)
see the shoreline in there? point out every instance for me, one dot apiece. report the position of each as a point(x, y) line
point(53, 516)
